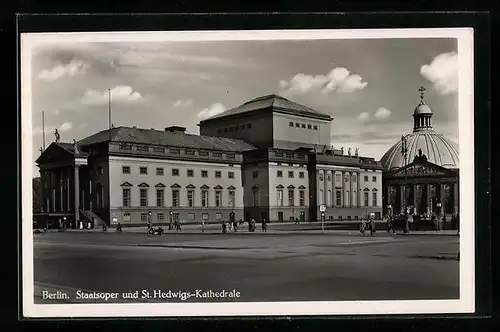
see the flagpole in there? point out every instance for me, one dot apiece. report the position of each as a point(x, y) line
point(43, 128)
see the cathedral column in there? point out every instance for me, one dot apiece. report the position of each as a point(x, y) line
point(342, 196)
point(61, 191)
point(456, 199)
point(415, 198)
point(350, 189)
point(428, 199)
point(441, 197)
point(77, 193)
point(402, 193)
point(358, 187)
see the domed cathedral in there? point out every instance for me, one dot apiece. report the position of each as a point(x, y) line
point(421, 170)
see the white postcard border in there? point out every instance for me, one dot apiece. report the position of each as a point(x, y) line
point(466, 302)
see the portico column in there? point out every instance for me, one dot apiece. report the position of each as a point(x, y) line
point(61, 191)
point(358, 188)
point(77, 193)
point(456, 199)
point(415, 200)
point(350, 189)
point(402, 193)
point(441, 197)
point(428, 198)
point(342, 196)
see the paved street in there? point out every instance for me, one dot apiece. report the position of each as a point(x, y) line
point(339, 265)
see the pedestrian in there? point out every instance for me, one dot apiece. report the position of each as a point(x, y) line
point(372, 226)
point(264, 225)
point(224, 226)
point(235, 226)
point(296, 220)
point(443, 222)
point(230, 226)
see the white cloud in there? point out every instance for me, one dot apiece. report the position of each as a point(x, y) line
point(364, 116)
point(183, 103)
point(382, 113)
point(120, 93)
point(338, 79)
point(49, 130)
point(210, 111)
point(74, 68)
point(442, 72)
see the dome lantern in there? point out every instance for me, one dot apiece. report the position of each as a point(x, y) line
point(422, 114)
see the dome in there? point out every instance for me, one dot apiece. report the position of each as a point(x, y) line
point(422, 109)
point(437, 148)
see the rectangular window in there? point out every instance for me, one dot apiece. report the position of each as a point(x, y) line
point(191, 216)
point(280, 197)
point(126, 216)
point(329, 177)
point(291, 197)
point(174, 151)
point(230, 156)
point(374, 199)
point(218, 198)
point(190, 173)
point(290, 174)
point(278, 154)
point(160, 216)
point(143, 170)
point(302, 198)
point(126, 169)
point(366, 199)
point(230, 175)
point(338, 198)
point(160, 197)
point(142, 148)
point(204, 198)
point(303, 126)
point(301, 175)
point(255, 174)
point(289, 154)
point(256, 197)
point(175, 171)
point(189, 152)
point(290, 124)
point(315, 127)
point(126, 197)
point(175, 216)
point(144, 197)
point(126, 147)
point(374, 179)
point(175, 197)
point(297, 125)
point(218, 174)
point(309, 127)
point(203, 153)
point(218, 216)
point(159, 171)
point(190, 197)
point(279, 174)
point(249, 125)
point(204, 216)
point(217, 155)
point(144, 217)
point(204, 174)
point(159, 150)
point(366, 178)
point(231, 198)
point(242, 127)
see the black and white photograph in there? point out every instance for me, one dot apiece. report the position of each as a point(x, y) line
point(238, 173)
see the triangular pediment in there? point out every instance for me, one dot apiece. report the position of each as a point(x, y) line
point(160, 185)
point(143, 185)
point(279, 186)
point(302, 187)
point(419, 169)
point(55, 152)
point(126, 184)
point(231, 188)
point(205, 187)
point(218, 187)
point(175, 185)
point(190, 186)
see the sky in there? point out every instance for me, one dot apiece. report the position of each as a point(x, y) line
point(370, 87)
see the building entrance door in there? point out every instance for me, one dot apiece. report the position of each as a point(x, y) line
point(302, 216)
point(280, 216)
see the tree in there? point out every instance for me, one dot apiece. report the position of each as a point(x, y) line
point(37, 195)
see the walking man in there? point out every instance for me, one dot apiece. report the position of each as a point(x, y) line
point(264, 225)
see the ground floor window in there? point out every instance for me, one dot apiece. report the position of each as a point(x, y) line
point(144, 217)
point(190, 216)
point(160, 216)
point(126, 216)
point(204, 216)
point(218, 216)
point(280, 216)
point(338, 198)
point(175, 216)
point(366, 199)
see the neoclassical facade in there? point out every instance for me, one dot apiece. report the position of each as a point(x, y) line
point(421, 171)
point(267, 158)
